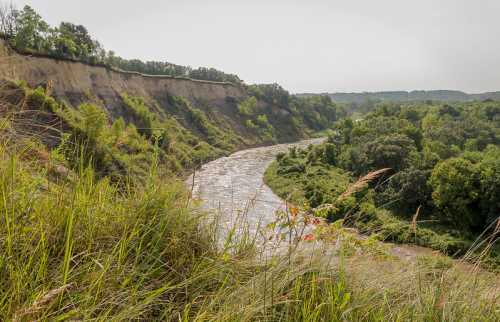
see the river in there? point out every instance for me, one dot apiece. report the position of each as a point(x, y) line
point(233, 188)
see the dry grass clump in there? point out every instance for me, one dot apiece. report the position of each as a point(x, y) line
point(360, 184)
point(42, 303)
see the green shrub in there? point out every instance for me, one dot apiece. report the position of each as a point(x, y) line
point(140, 115)
point(251, 125)
point(248, 106)
point(456, 192)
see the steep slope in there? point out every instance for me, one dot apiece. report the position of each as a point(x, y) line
point(74, 83)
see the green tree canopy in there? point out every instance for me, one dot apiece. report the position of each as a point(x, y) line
point(456, 192)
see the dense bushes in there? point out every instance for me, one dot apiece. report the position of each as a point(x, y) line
point(271, 93)
point(406, 191)
point(455, 192)
point(436, 151)
point(275, 115)
point(248, 106)
point(444, 167)
point(467, 192)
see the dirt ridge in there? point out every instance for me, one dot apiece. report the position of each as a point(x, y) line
point(77, 82)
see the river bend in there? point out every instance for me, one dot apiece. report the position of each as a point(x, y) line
point(233, 188)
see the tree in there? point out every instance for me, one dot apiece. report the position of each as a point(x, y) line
point(75, 41)
point(389, 152)
point(248, 106)
point(330, 153)
point(406, 191)
point(345, 128)
point(456, 192)
point(489, 176)
point(94, 120)
point(31, 31)
point(271, 93)
point(449, 110)
point(412, 114)
point(65, 47)
point(112, 59)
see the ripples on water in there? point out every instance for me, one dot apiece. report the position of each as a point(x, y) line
point(233, 188)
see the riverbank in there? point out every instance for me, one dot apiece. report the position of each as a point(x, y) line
point(390, 205)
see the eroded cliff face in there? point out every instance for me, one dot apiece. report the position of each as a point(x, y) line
point(76, 82)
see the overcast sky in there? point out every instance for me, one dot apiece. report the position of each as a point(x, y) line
point(306, 46)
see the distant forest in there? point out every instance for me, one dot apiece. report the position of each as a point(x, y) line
point(403, 96)
point(28, 33)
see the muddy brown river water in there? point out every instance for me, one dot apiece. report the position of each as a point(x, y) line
point(233, 188)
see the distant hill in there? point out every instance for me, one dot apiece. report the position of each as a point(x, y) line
point(404, 96)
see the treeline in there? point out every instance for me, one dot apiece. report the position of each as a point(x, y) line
point(28, 33)
point(412, 96)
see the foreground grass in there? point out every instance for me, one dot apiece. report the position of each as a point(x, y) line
point(74, 247)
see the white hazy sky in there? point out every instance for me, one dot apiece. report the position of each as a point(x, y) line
point(307, 46)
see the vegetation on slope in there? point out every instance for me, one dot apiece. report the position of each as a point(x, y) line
point(180, 135)
point(445, 173)
point(120, 149)
point(267, 114)
point(285, 115)
point(273, 115)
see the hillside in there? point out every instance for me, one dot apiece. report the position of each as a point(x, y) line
point(404, 96)
point(122, 116)
point(68, 64)
point(76, 83)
